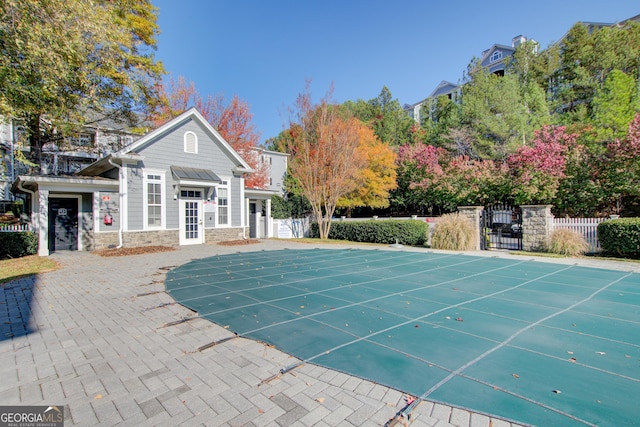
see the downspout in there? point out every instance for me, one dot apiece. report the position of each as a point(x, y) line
point(120, 222)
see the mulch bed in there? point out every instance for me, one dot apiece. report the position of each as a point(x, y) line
point(153, 249)
point(239, 242)
point(133, 251)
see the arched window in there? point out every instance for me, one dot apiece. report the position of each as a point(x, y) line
point(495, 56)
point(190, 142)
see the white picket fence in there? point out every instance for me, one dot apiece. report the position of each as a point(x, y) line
point(14, 227)
point(588, 227)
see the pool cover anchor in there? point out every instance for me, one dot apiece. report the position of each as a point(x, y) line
point(280, 373)
point(404, 413)
point(178, 322)
point(214, 343)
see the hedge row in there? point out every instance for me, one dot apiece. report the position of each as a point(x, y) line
point(407, 232)
point(620, 237)
point(18, 244)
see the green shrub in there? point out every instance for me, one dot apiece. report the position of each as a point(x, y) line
point(620, 237)
point(454, 232)
point(407, 232)
point(567, 242)
point(18, 244)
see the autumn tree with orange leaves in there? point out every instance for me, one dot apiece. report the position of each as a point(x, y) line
point(377, 179)
point(232, 120)
point(325, 158)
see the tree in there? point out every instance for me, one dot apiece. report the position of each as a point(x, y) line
point(615, 105)
point(447, 181)
point(232, 120)
point(377, 179)
point(496, 110)
point(440, 121)
point(538, 170)
point(385, 115)
point(58, 71)
point(586, 58)
point(325, 159)
point(620, 169)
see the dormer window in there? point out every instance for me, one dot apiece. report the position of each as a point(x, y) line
point(495, 56)
point(190, 142)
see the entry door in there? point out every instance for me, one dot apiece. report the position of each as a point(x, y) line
point(63, 224)
point(191, 217)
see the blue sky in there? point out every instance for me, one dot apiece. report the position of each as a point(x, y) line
point(264, 51)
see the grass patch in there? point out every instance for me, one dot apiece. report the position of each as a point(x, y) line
point(540, 254)
point(609, 258)
point(586, 256)
point(315, 240)
point(15, 268)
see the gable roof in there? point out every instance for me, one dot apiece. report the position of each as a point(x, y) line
point(191, 114)
point(504, 48)
point(130, 152)
point(443, 88)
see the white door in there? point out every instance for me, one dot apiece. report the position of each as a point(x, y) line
point(191, 217)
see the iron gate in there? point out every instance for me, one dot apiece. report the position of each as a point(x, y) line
point(501, 227)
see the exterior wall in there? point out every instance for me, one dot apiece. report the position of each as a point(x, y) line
point(137, 239)
point(161, 154)
point(109, 204)
point(134, 194)
point(162, 238)
point(105, 240)
point(278, 169)
point(236, 189)
point(85, 225)
point(6, 141)
point(213, 235)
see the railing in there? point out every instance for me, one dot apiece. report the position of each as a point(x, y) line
point(14, 228)
point(588, 227)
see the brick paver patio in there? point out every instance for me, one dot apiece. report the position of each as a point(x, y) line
point(97, 337)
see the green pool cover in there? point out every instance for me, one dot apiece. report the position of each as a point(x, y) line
point(533, 342)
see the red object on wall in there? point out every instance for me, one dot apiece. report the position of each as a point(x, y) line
point(108, 219)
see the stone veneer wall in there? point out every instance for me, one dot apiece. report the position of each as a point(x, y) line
point(223, 234)
point(105, 240)
point(537, 224)
point(473, 213)
point(132, 239)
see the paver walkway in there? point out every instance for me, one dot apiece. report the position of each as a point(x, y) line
point(95, 336)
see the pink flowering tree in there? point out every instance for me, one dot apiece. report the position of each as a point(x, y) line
point(418, 163)
point(538, 170)
point(477, 182)
point(619, 172)
point(437, 178)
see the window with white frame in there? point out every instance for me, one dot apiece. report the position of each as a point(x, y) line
point(495, 56)
point(81, 140)
point(190, 142)
point(154, 200)
point(223, 204)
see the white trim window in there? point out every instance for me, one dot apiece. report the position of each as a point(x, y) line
point(223, 204)
point(495, 56)
point(81, 140)
point(190, 142)
point(154, 200)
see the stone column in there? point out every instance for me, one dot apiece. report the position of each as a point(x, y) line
point(537, 224)
point(473, 213)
